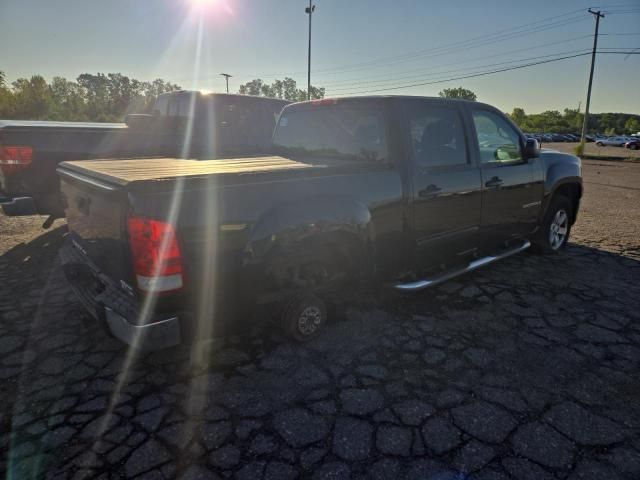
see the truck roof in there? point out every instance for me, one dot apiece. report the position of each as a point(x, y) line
point(330, 100)
point(230, 96)
point(124, 172)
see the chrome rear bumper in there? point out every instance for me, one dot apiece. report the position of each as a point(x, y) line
point(151, 336)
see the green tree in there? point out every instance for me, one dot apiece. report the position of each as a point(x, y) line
point(31, 98)
point(632, 126)
point(459, 92)
point(96, 93)
point(93, 97)
point(67, 101)
point(286, 89)
point(254, 87)
point(518, 116)
point(6, 98)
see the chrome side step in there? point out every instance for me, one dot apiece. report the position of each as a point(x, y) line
point(444, 276)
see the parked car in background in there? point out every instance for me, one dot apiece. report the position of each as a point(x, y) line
point(400, 191)
point(611, 142)
point(182, 124)
point(633, 144)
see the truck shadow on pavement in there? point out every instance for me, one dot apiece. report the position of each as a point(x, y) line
point(527, 367)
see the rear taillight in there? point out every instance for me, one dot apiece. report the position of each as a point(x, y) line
point(15, 158)
point(157, 261)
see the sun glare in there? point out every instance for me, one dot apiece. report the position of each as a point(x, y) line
point(203, 3)
point(209, 7)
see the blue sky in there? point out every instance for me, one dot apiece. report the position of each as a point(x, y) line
point(358, 45)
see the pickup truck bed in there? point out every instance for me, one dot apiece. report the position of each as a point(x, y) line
point(124, 172)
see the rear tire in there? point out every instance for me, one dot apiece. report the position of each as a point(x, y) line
point(556, 227)
point(600, 144)
point(304, 317)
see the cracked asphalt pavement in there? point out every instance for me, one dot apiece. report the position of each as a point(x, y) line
point(528, 369)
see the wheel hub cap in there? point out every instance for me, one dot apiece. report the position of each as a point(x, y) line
point(309, 320)
point(558, 229)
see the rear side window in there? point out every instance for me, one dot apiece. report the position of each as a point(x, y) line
point(182, 105)
point(244, 125)
point(346, 130)
point(498, 141)
point(161, 105)
point(437, 137)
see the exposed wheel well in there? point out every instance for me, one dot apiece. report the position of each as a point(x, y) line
point(572, 191)
point(315, 261)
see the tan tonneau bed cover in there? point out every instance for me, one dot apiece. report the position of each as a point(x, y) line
point(123, 172)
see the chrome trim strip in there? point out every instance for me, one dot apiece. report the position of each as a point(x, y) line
point(443, 277)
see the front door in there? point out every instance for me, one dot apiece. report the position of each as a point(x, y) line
point(510, 187)
point(445, 185)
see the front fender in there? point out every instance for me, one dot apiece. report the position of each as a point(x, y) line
point(560, 169)
point(289, 225)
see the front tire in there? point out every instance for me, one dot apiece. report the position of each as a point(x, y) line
point(556, 227)
point(304, 317)
point(600, 144)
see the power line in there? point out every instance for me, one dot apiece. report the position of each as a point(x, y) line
point(481, 74)
point(422, 71)
point(524, 29)
point(483, 67)
point(447, 50)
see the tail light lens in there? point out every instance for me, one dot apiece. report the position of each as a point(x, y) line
point(157, 261)
point(15, 158)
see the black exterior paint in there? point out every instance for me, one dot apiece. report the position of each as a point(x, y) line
point(231, 231)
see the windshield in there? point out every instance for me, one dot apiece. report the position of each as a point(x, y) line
point(341, 131)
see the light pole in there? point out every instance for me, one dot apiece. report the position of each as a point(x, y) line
point(226, 77)
point(309, 10)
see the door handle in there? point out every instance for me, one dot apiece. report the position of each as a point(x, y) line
point(431, 191)
point(495, 182)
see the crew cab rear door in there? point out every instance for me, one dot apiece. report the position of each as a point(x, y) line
point(511, 187)
point(445, 183)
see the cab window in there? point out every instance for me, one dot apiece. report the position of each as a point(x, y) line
point(437, 137)
point(498, 141)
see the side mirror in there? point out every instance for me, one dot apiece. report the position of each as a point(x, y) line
point(531, 149)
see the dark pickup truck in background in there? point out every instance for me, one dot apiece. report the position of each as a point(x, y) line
point(399, 191)
point(184, 124)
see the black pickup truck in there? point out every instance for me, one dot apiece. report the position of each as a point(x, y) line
point(405, 192)
point(184, 124)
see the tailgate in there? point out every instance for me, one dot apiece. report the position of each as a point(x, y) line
point(96, 214)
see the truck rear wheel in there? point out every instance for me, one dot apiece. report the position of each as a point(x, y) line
point(304, 316)
point(554, 233)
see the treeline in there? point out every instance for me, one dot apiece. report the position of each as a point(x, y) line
point(97, 98)
point(286, 89)
point(570, 121)
point(109, 97)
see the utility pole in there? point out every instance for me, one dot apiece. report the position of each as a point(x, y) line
point(598, 16)
point(226, 77)
point(309, 10)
